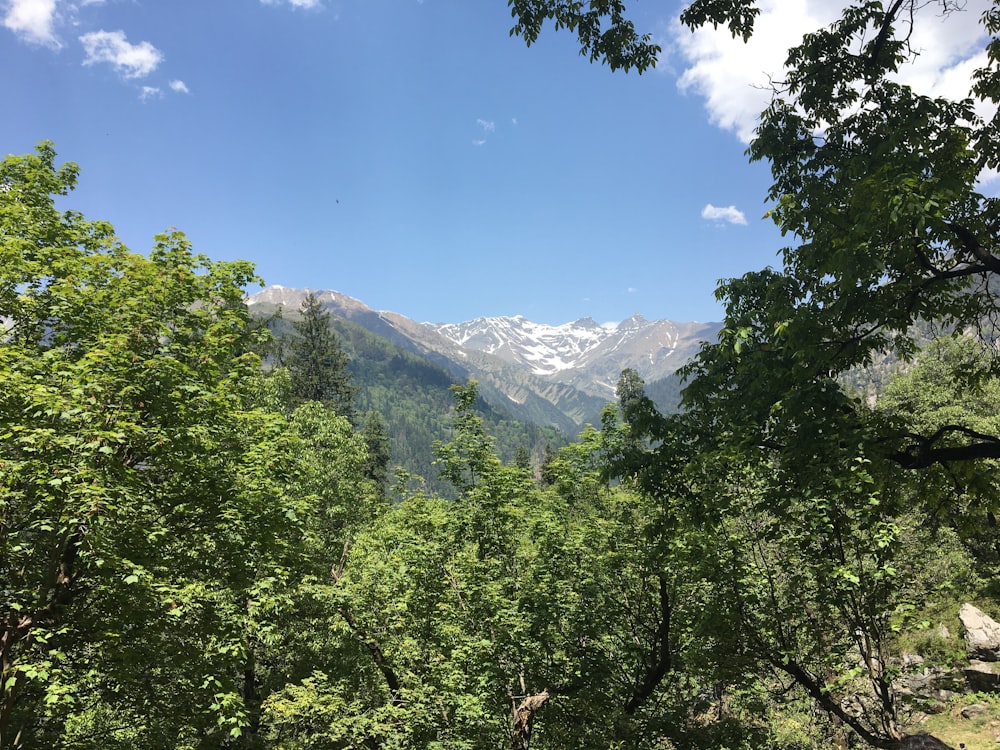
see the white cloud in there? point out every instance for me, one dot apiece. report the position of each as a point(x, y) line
point(307, 4)
point(487, 126)
point(729, 214)
point(131, 60)
point(733, 77)
point(632, 290)
point(150, 92)
point(180, 87)
point(33, 21)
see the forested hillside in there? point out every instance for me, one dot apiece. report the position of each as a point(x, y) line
point(414, 399)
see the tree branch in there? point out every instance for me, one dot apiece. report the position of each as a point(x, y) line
point(923, 454)
point(883, 34)
point(972, 245)
point(524, 717)
point(378, 656)
point(660, 658)
point(828, 702)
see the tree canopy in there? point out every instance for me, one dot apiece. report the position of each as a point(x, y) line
point(879, 186)
point(316, 362)
point(156, 518)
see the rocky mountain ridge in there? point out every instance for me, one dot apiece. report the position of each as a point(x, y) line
point(584, 353)
point(554, 375)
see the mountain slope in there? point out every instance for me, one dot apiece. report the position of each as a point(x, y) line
point(583, 354)
point(413, 396)
point(559, 376)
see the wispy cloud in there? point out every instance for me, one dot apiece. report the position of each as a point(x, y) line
point(180, 87)
point(306, 4)
point(130, 60)
point(33, 21)
point(487, 127)
point(513, 121)
point(150, 92)
point(729, 214)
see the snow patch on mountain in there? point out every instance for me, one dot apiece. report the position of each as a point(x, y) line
point(548, 350)
point(564, 365)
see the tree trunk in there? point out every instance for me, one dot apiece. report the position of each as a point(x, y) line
point(524, 717)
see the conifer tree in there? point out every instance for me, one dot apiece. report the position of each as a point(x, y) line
point(376, 437)
point(316, 363)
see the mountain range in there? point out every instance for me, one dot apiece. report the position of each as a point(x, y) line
point(559, 376)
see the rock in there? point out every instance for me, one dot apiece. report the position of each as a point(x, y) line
point(982, 634)
point(940, 700)
point(917, 683)
point(922, 741)
point(981, 678)
point(976, 709)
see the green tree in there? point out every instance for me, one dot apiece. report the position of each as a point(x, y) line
point(950, 398)
point(879, 186)
point(317, 363)
point(291, 624)
point(892, 226)
point(149, 508)
point(376, 436)
point(509, 617)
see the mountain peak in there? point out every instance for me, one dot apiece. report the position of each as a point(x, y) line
point(583, 354)
point(574, 351)
point(291, 299)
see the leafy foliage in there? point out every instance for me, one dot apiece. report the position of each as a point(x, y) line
point(601, 27)
point(154, 520)
point(196, 553)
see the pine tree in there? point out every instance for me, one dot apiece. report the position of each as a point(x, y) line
point(376, 436)
point(316, 363)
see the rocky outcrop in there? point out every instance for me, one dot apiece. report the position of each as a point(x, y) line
point(931, 686)
point(981, 678)
point(982, 634)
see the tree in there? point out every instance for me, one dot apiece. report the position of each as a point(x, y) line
point(148, 509)
point(513, 616)
point(879, 186)
point(317, 364)
point(951, 390)
point(376, 436)
point(602, 30)
point(877, 182)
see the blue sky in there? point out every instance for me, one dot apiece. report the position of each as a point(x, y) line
point(412, 154)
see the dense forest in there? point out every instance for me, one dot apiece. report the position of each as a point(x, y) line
point(203, 543)
point(411, 397)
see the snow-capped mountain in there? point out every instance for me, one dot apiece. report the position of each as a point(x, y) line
point(560, 375)
point(584, 353)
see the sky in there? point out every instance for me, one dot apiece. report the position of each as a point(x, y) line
point(415, 156)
